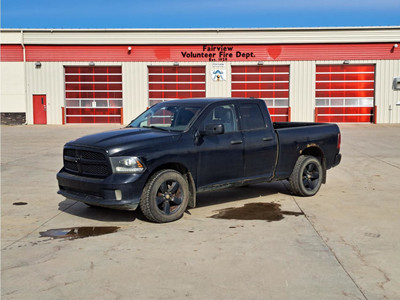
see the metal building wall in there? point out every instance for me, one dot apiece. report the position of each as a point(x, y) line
point(201, 36)
point(302, 90)
point(49, 80)
point(12, 87)
point(385, 97)
point(135, 89)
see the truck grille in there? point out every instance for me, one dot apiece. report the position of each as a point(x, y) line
point(86, 163)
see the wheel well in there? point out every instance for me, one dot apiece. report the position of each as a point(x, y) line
point(318, 153)
point(184, 171)
point(173, 166)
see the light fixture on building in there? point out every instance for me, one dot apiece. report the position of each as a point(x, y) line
point(346, 62)
point(176, 64)
point(260, 63)
point(38, 65)
point(129, 49)
point(91, 64)
point(395, 46)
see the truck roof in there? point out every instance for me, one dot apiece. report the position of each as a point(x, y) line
point(209, 100)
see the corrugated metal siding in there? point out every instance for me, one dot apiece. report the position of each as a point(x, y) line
point(208, 36)
point(135, 89)
point(192, 53)
point(302, 90)
point(12, 87)
point(48, 80)
point(11, 53)
point(385, 97)
point(221, 88)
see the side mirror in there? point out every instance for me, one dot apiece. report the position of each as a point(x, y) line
point(212, 129)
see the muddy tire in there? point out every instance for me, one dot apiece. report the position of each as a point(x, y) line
point(165, 196)
point(306, 178)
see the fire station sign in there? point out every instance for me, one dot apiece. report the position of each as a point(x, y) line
point(218, 53)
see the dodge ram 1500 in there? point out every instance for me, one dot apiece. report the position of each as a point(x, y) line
point(178, 148)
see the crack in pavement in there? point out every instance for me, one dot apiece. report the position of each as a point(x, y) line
point(323, 241)
point(37, 228)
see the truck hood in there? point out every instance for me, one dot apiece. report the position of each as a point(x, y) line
point(126, 139)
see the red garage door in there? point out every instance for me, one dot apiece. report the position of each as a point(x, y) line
point(166, 83)
point(93, 94)
point(345, 93)
point(270, 83)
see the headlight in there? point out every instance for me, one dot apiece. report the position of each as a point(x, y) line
point(127, 165)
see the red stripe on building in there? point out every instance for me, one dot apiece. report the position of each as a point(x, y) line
point(11, 53)
point(201, 52)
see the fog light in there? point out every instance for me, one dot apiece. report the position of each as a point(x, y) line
point(118, 195)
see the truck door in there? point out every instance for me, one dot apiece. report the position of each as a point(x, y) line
point(220, 156)
point(260, 145)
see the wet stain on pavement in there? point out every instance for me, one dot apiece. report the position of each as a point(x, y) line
point(78, 232)
point(255, 211)
point(20, 203)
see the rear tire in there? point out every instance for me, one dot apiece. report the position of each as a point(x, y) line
point(165, 196)
point(306, 178)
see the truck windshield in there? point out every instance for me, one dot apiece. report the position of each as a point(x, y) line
point(166, 117)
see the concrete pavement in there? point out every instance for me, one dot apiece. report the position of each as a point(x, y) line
point(345, 246)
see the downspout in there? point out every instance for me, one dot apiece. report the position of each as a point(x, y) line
point(25, 80)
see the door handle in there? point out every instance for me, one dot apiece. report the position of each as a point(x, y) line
point(236, 142)
point(267, 139)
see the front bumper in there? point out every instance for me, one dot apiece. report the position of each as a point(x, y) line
point(118, 191)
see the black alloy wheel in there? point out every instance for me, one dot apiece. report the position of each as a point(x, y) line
point(169, 196)
point(311, 176)
point(306, 178)
point(165, 196)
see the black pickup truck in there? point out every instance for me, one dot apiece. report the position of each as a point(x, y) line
point(178, 148)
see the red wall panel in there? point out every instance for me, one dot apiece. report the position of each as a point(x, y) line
point(11, 53)
point(197, 52)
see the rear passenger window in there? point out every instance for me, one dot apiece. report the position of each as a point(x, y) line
point(251, 117)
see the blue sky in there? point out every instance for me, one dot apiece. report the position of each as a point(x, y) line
point(197, 14)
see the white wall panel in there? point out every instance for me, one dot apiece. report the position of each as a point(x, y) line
point(47, 80)
point(135, 89)
point(385, 97)
point(12, 89)
point(302, 90)
point(218, 88)
point(205, 36)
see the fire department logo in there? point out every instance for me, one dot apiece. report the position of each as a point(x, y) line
point(218, 75)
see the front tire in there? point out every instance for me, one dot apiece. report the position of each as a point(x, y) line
point(165, 196)
point(306, 178)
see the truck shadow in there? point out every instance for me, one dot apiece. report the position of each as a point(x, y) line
point(241, 193)
point(98, 213)
point(203, 199)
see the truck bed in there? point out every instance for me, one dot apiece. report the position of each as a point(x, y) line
point(281, 125)
point(295, 137)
